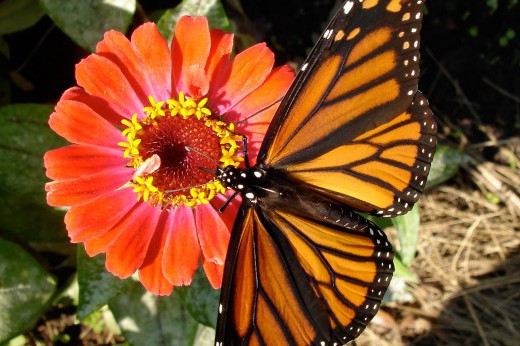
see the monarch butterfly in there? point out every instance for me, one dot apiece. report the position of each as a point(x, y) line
point(353, 134)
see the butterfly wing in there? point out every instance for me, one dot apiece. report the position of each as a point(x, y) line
point(353, 124)
point(297, 280)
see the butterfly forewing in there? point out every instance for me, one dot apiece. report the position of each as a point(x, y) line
point(361, 76)
point(365, 62)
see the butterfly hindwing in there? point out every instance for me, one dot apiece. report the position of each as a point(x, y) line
point(296, 280)
point(361, 76)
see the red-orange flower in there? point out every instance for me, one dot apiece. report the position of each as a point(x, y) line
point(148, 126)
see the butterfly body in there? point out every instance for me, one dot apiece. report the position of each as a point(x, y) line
point(353, 134)
point(266, 188)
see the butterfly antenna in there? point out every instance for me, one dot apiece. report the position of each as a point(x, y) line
point(185, 188)
point(188, 148)
point(207, 170)
point(259, 111)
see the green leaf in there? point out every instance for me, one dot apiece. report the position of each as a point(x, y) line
point(85, 22)
point(205, 336)
point(510, 34)
point(16, 15)
point(30, 216)
point(398, 290)
point(212, 9)
point(445, 164)
point(407, 227)
point(24, 138)
point(473, 31)
point(402, 271)
point(102, 321)
point(200, 299)
point(20, 340)
point(96, 285)
point(381, 222)
point(25, 290)
point(146, 319)
point(5, 53)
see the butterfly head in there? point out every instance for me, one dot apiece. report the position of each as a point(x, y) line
point(229, 176)
point(243, 181)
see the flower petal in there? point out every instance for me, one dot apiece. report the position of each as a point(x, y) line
point(248, 71)
point(127, 252)
point(195, 81)
point(182, 249)
point(190, 46)
point(78, 123)
point(91, 220)
point(214, 273)
point(255, 127)
point(155, 56)
point(218, 63)
point(66, 193)
point(271, 91)
point(102, 78)
point(98, 105)
point(132, 219)
point(212, 232)
point(151, 273)
point(118, 49)
point(230, 213)
point(82, 160)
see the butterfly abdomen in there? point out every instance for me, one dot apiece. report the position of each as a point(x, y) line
point(272, 189)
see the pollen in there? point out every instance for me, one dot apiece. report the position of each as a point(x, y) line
point(174, 148)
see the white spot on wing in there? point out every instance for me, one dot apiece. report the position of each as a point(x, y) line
point(348, 6)
point(328, 34)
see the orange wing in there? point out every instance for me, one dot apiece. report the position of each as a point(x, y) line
point(353, 125)
point(292, 280)
point(382, 171)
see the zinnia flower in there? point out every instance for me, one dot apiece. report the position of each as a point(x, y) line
point(148, 127)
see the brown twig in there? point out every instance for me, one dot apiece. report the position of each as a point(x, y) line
point(475, 319)
point(461, 94)
point(501, 90)
point(484, 176)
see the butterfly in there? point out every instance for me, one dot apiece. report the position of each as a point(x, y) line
point(353, 134)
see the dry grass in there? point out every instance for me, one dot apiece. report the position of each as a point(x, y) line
point(468, 264)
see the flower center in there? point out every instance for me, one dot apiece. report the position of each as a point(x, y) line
point(175, 150)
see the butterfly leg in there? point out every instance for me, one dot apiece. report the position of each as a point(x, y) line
point(244, 150)
point(221, 209)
